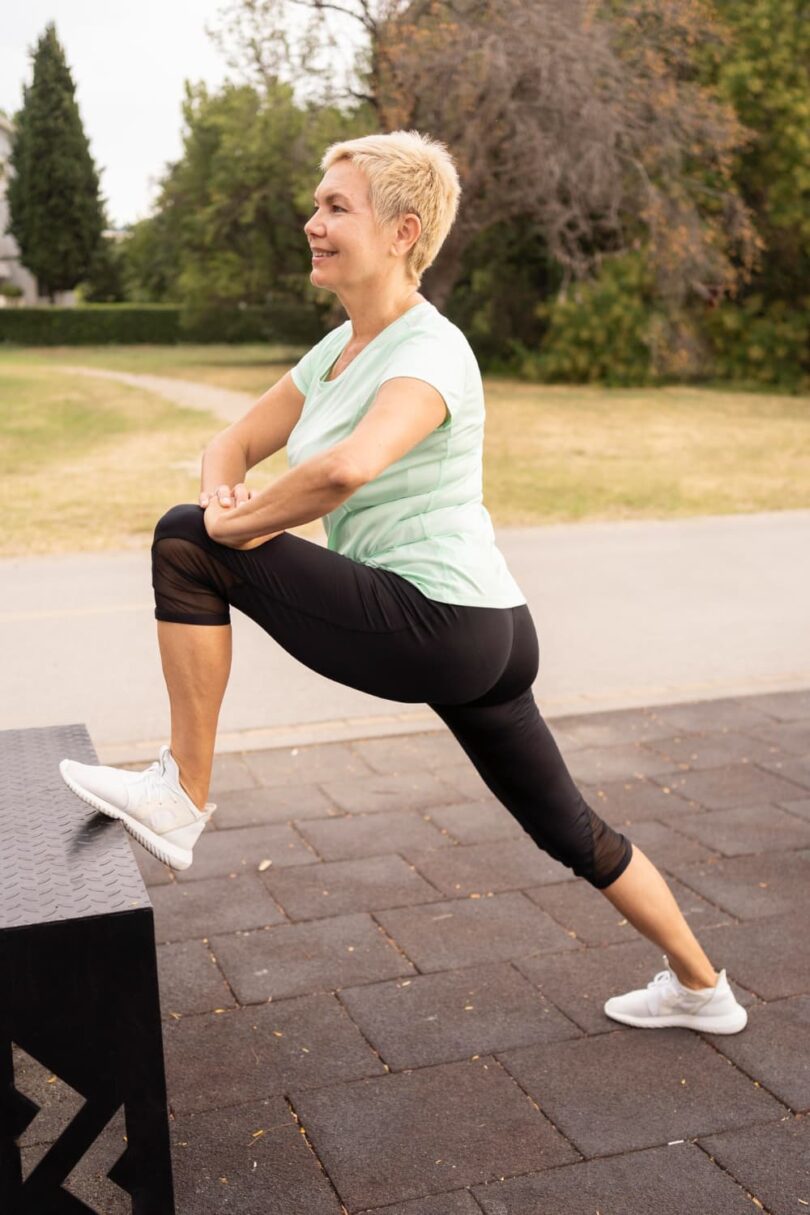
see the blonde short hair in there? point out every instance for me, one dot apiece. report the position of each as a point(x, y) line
point(406, 171)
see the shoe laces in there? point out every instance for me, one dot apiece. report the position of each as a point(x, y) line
point(156, 785)
point(663, 977)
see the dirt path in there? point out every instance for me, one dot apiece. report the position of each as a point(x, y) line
point(223, 402)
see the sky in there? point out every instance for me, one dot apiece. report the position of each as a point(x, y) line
point(129, 62)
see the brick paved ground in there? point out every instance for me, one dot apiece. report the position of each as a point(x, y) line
point(380, 996)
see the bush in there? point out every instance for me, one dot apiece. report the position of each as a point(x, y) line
point(158, 324)
point(754, 342)
point(601, 332)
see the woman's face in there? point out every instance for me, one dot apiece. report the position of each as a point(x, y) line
point(358, 250)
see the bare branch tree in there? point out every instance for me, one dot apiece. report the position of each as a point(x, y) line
point(585, 117)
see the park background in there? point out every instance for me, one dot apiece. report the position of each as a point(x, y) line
point(630, 262)
point(375, 996)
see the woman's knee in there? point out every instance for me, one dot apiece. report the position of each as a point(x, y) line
point(185, 521)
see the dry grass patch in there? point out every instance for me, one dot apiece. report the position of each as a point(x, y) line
point(92, 465)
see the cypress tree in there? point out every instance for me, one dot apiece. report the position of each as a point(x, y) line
point(57, 215)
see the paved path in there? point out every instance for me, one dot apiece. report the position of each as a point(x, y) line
point(380, 996)
point(223, 402)
point(627, 614)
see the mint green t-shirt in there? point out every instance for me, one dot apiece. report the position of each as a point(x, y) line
point(423, 516)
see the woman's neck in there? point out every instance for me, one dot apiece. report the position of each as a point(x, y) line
point(370, 317)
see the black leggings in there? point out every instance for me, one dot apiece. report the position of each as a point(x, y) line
point(374, 630)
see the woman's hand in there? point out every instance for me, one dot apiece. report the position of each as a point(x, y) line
point(218, 503)
point(227, 496)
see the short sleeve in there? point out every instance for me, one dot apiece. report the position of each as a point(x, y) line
point(438, 361)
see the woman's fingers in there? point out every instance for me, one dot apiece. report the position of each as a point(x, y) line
point(227, 496)
point(222, 493)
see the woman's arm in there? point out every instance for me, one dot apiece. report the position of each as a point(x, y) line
point(263, 430)
point(308, 491)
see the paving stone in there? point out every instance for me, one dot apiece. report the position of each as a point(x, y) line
point(199, 909)
point(190, 980)
point(609, 727)
point(242, 849)
point(88, 1181)
point(798, 806)
point(429, 1019)
point(744, 829)
point(752, 886)
point(496, 928)
point(591, 918)
point(221, 1163)
point(338, 887)
point(730, 786)
point(309, 765)
point(769, 956)
point(153, 871)
point(784, 706)
point(664, 846)
point(414, 1133)
point(277, 804)
point(594, 764)
point(795, 770)
point(476, 822)
point(790, 736)
point(467, 785)
point(460, 1202)
point(230, 771)
point(774, 1048)
point(770, 1161)
point(354, 835)
point(665, 1180)
point(295, 959)
point(407, 791)
point(489, 868)
point(58, 1102)
point(724, 713)
point(244, 1054)
point(623, 802)
point(696, 751)
point(673, 1085)
point(434, 749)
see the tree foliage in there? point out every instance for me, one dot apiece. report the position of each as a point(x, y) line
point(231, 211)
point(57, 216)
point(765, 74)
point(586, 118)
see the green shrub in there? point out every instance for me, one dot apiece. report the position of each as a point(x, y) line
point(158, 324)
point(755, 342)
point(600, 332)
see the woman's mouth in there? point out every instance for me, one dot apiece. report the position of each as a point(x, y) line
point(319, 257)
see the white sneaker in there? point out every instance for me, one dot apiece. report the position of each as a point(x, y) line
point(153, 805)
point(665, 1001)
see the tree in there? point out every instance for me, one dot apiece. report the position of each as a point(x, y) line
point(765, 74)
point(57, 216)
point(585, 119)
point(231, 211)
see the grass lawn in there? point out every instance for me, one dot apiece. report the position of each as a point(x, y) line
point(92, 464)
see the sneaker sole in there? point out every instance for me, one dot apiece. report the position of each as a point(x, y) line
point(170, 854)
point(728, 1023)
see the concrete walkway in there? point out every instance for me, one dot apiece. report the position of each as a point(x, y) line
point(628, 614)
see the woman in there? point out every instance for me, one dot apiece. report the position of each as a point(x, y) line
point(383, 422)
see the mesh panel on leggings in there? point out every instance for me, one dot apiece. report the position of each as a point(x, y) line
point(612, 851)
point(191, 586)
